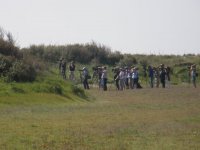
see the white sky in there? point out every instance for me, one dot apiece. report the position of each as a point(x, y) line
point(129, 26)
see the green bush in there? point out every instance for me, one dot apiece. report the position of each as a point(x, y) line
point(21, 72)
point(5, 64)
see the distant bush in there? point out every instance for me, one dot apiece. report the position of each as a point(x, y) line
point(21, 72)
point(75, 52)
point(7, 45)
point(13, 67)
point(5, 64)
point(128, 60)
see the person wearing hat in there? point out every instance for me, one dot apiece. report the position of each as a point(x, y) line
point(85, 78)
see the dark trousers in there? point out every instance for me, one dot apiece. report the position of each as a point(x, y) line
point(63, 72)
point(127, 84)
point(163, 83)
point(135, 83)
point(105, 84)
point(151, 82)
point(117, 84)
point(85, 84)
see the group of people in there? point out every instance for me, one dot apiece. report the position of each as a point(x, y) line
point(126, 77)
point(84, 74)
point(159, 75)
point(63, 67)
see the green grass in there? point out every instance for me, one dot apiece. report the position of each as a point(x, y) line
point(138, 119)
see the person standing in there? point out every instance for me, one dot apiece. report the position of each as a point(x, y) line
point(156, 77)
point(71, 71)
point(121, 79)
point(63, 69)
point(116, 79)
point(162, 75)
point(127, 76)
point(104, 78)
point(135, 76)
point(99, 77)
point(151, 76)
point(85, 74)
point(193, 75)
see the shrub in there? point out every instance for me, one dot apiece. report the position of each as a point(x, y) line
point(17, 90)
point(7, 45)
point(5, 64)
point(57, 89)
point(21, 72)
point(78, 91)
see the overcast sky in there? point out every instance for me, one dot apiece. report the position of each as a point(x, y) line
point(129, 26)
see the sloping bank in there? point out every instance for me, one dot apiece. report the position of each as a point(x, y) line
point(46, 90)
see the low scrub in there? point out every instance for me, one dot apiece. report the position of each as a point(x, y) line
point(78, 91)
point(21, 72)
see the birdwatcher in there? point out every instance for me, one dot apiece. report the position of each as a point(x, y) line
point(131, 79)
point(135, 76)
point(162, 75)
point(121, 79)
point(116, 77)
point(63, 69)
point(127, 76)
point(151, 75)
point(99, 77)
point(71, 71)
point(157, 76)
point(60, 66)
point(104, 78)
point(193, 75)
point(85, 77)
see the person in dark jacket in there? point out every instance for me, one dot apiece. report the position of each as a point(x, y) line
point(71, 71)
point(151, 76)
point(63, 69)
point(116, 79)
point(162, 75)
point(85, 74)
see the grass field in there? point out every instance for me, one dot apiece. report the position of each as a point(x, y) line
point(155, 119)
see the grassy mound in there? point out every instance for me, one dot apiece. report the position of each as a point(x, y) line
point(47, 86)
